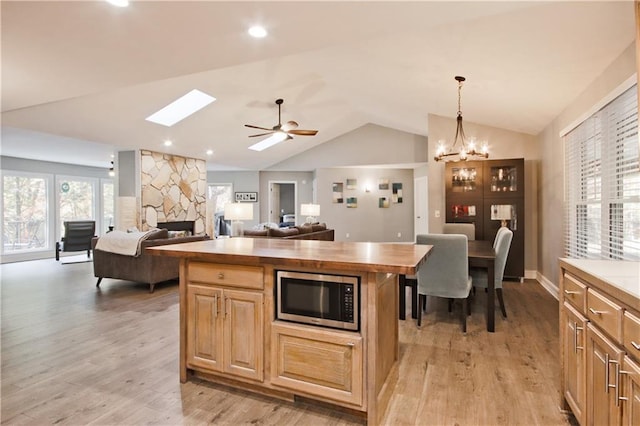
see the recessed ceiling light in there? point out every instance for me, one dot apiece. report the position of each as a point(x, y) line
point(181, 108)
point(257, 31)
point(119, 3)
point(168, 143)
point(209, 152)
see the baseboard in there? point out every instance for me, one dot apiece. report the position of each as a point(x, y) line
point(548, 285)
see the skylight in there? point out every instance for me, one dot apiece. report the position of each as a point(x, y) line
point(181, 108)
point(119, 3)
point(270, 141)
point(257, 31)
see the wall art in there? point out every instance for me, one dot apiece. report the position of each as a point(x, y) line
point(352, 202)
point(337, 192)
point(396, 189)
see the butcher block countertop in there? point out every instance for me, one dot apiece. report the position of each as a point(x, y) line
point(347, 256)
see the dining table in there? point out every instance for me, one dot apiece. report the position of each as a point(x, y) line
point(481, 254)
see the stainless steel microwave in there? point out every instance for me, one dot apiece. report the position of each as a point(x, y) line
point(319, 299)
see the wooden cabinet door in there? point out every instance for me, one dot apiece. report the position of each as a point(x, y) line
point(317, 361)
point(630, 378)
point(602, 355)
point(575, 360)
point(243, 342)
point(204, 327)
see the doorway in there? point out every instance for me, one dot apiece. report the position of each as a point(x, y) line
point(283, 199)
point(421, 208)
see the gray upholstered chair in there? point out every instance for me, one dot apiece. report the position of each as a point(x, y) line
point(446, 272)
point(468, 229)
point(501, 245)
point(77, 237)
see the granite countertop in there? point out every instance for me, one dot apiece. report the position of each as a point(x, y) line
point(623, 275)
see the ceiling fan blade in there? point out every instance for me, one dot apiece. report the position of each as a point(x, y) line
point(261, 134)
point(303, 132)
point(257, 127)
point(289, 125)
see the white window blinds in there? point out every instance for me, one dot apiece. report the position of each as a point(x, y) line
point(602, 183)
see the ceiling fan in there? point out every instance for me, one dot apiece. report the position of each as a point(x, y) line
point(279, 132)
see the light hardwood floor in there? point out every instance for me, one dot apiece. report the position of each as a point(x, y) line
point(74, 354)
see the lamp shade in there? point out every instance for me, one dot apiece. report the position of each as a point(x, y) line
point(310, 209)
point(238, 211)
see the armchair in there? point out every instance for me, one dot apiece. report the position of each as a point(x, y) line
point(501, 245)
point(446, 272)
point(77, 237)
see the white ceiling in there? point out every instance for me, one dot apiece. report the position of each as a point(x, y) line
point(83, 71)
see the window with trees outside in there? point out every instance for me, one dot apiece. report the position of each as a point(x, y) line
point(218, 195)
point(25, 212)
point(76, 200)
point(602, 183)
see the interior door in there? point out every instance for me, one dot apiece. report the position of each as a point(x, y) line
point(274, 203)
point(420, 206)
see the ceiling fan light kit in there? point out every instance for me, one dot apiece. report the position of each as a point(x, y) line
point(279, 132)
point(466, 151)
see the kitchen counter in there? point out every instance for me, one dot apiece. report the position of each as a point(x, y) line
point(229, 332)
point(621, 278)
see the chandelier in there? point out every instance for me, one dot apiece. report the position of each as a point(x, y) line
point(466, 151)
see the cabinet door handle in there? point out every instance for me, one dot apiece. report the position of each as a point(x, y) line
point(221, 275)
point(617, 385)
point(623, 398)
point(575, 337)
point(215, 302)
point(226, 300)
point(572, 292)
point(593, 311)
point(351, 344)
point(607, 374)
point(635, 345)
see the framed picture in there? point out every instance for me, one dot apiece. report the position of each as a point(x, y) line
point(352, 202)
point(383, 183)
point(396, 196)
point(246, 197)
point(352, 183)
point(336, 190)
point(383, 202)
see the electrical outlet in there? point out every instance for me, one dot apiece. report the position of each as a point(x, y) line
point(347, 235)
point(399, 234)
point(437, 213)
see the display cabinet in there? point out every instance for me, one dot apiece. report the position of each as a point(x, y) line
point(486, 193)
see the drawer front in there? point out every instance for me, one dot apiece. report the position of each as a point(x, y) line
point(227, 275)
point(575, 292)
point(605, 314)
point(631, 334)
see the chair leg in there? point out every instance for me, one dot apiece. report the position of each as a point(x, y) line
point(99, 281)
point(414, 299)
point(88, 253)
point(422, 300)
point(57, 251)
point(151, 286)
point(501, 301)
point(469, 299)
point(450, 300)
point(465, 303)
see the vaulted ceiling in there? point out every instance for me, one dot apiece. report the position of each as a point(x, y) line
point(79, 77)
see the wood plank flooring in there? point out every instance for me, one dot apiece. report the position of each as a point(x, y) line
point(73, 354)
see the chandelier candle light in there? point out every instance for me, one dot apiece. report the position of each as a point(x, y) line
point(466, 151)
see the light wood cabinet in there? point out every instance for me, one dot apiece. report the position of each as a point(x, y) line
point(319, 362)
point(630, 392)
point(600, 384)
point(575, 328)
point(225, 325)
point(603, 379)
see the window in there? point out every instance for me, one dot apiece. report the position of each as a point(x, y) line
point(108, 205)
point(218, 195)
point(25, 212)
point(76, 200)
point(602, 183)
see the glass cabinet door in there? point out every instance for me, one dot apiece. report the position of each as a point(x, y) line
point(464, 177)
point(504, 178)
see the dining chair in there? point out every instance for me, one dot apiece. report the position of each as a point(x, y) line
point(468, 229)
point(446, 272)
point(501, 245)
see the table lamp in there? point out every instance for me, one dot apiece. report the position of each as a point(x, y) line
point(311, 211)
point(501, 212)
point(236, 213)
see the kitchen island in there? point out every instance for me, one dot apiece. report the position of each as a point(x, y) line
point(229, 332)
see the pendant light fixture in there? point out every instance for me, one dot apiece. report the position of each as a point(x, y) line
point(466, 151)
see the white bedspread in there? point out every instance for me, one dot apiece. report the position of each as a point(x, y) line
point(120, 242)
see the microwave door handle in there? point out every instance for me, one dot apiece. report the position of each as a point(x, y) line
point(320, 299)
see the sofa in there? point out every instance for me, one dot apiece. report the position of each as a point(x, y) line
point(143, 267)
point(316, 231)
